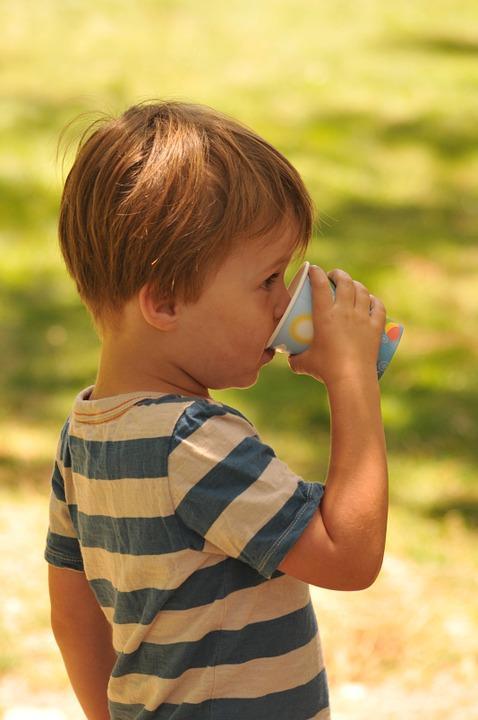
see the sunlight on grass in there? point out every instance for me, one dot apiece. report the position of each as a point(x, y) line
point(26, 442)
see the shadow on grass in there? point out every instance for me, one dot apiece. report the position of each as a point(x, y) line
point(352, 137)
point(26, 204)
point(437, 44)
point(49, 348)
point(455, 508)
point(465, 508)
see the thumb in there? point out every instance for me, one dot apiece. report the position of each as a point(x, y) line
point(296, 362)
point(298, 365)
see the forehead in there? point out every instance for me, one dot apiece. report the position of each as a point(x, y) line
point(276, 246)
point(251, 258)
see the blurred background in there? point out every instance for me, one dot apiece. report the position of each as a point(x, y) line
point(376, 104)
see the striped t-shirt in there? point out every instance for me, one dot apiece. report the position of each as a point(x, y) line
point(179, 516)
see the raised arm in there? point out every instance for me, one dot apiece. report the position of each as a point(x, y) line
point(342, 547)
point(84, 638)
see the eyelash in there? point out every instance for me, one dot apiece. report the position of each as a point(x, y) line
point(268, 283)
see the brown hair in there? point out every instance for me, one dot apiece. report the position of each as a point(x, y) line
point(162, 194)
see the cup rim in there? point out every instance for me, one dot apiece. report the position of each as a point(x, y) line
point(302, 272)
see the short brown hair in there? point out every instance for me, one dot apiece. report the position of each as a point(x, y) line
point(162, 194)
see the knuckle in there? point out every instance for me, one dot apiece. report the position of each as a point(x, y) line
point(341, 276)
point(319, 276)
point(378, 305)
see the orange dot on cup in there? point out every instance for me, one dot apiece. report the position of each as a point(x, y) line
point(393, 331)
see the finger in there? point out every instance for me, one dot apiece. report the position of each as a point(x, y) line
point(295, 363)
point(344, 287)
point(377, 310)
point(362, 297)
point(322, 296)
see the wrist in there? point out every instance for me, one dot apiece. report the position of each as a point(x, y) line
point(354, 381)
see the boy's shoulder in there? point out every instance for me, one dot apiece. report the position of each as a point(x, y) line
point(201, 410)
point(149, 414)
point(138, 434)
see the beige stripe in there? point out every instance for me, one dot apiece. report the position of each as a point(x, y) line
point(60, 520)
point(267, 675)
point(253, 508)
point(248, 680)
point(268, 601)
point(195, 686)
point(63, 470)
point(111, 407)
point(322, 715)
point(100, 418)
point(208, 445)
point(146, 421)
point(127, 497)
point(135, 572)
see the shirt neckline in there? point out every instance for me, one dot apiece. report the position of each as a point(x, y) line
point(101, 410)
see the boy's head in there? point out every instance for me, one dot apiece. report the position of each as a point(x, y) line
point(163, 194)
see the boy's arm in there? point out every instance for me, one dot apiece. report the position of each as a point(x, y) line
point(84, 638)
point(342, 546)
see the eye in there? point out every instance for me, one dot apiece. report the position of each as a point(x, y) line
point(269, 282)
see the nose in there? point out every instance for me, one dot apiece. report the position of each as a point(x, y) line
point(282, 303)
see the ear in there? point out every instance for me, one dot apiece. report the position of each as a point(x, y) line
point(160, 313)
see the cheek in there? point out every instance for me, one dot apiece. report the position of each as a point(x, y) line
point(233, 327)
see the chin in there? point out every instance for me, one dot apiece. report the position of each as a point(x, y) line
point(246, 381)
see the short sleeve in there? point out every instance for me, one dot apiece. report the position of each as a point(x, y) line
point(62, 546)
point(230, 488)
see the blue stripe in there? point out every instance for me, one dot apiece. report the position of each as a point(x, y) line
point(64, 448)
point(299, 703)
point(202, 588)
point(165, 400)
point(136, 606)
point(63, 545)
point(63, 551)
point(113, 460)
point(57, 484)
point(270, 638)
point(269, 546)
point(209, 497)
point(196, 415)
point(133, 536)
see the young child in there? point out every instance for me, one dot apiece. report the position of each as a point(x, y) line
point(180, 547)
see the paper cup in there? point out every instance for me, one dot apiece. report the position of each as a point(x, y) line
point(295, 330)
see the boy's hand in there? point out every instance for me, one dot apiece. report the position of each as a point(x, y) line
point(342, 547)
point(347, 332)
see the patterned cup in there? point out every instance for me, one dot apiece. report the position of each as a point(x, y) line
point(295, 330)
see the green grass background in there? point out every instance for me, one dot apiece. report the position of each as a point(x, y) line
point(376, 104)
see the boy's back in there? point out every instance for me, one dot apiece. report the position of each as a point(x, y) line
point(182, 516)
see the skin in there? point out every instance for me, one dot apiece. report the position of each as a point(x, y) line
point(216, 342)
point(219, 342)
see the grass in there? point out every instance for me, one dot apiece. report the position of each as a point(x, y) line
point(375, 104)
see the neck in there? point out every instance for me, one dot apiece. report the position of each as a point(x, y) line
point(126, 367)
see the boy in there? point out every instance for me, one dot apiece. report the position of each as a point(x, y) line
point(180, 546)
